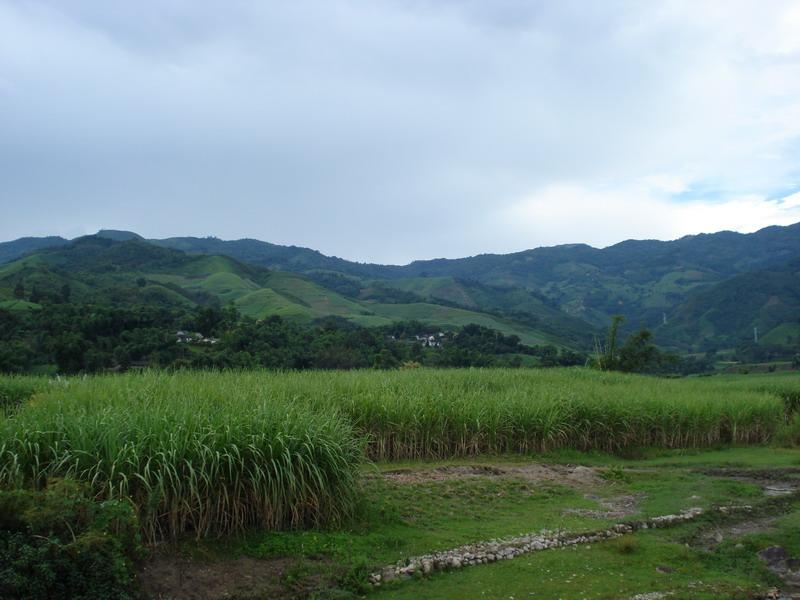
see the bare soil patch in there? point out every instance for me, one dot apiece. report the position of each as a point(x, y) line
point(774, 482)
point(176, 578)
point(713, 537)
point(534, 472)
point(615, 507)
point(756, 474)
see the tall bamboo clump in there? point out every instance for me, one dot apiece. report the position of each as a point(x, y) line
point(203, 452)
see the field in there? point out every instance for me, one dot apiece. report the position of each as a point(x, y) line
point(192, 453)
point(355, 470)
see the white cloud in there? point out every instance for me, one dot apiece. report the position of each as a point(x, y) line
point(570, 213)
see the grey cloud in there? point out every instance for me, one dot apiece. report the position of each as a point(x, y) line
point(372, 130)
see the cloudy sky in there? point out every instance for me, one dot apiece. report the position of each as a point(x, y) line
point(390, 130)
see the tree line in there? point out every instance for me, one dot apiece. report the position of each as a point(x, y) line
point(74, 338)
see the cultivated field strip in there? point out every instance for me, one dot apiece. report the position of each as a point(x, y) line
point(212, 453)
point(443, 414)
point(194, 452)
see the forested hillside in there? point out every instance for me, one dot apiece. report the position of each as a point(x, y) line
point(762, 305)
point(699, 292)
point(134, 273)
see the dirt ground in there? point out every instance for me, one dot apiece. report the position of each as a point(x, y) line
point(171, 578)
point(575, 476)
point(615, 507)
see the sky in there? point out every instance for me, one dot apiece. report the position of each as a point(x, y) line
point(393, 130)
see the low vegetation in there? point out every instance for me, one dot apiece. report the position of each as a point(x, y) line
point(60, 543)
point(15, 389)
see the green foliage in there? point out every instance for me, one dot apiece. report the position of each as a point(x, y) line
point(725, 314)
point(209, 452)
point(91, 338)
point(789, 435)
point(60, 543)
point(99, 272)
point(624, 545)
point(607, 355)
point(195, 452)
point(436, 414)
point(15, 357)
point(646, 277)
point(15, 390)
point(640, 355)
point(714, 288)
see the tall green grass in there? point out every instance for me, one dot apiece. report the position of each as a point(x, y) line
point(785, 385)
point(213, 453)
point(440, 414)
point(15, 389)
point(197, 452)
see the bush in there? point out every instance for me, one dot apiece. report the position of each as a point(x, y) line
point(624, 545)
point(14, 390)
point(788, 436)
point(59, 543)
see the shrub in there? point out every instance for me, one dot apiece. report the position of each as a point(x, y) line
point(59, 543)
point(788, 436)
point(624, 545)
point(15, 389)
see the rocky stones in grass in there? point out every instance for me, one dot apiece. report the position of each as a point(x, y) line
point(784, 566)
point(508, 548)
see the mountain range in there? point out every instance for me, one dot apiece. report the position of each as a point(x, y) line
point(701, 292)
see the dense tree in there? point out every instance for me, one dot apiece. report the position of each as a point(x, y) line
point(85, 338)
point(638, 354)
point(15, 357)
point(607, 356)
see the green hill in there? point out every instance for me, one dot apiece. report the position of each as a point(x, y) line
point(641, 279)
point(15, 249)
point(93, 269)
point(704, 286)
point(727, 313)
point(132, 272)
point(503, 302)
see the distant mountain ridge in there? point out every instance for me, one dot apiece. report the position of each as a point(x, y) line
point(560, 290)
point(134, 273)
point(17, 248)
